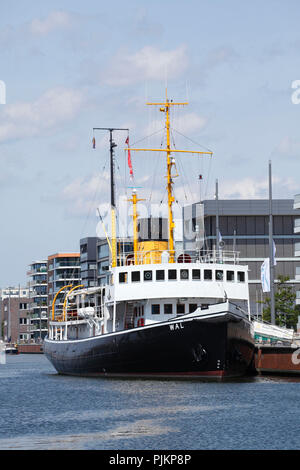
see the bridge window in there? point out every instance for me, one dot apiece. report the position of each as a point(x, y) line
point(219, 275)
point(207, 274)
point(196, 274)
point(168, 309)
point(230, 276)
point(122, 277)
point(192, 307)
point(135, 276)
point(147, 275)
point(241, 276)
point(160, 275)
point(184, 274)
point(172, 274)
point(180, 309)
point(155, 309)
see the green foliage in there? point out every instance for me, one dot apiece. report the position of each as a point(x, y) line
point(286, 312)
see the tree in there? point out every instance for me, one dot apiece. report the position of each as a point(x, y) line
point(286, 312)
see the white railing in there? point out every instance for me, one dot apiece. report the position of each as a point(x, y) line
point(164, 256)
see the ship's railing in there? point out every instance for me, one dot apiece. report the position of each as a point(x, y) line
point(165, 256)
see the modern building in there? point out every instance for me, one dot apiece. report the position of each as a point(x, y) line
point(124, 248)
point(38, 299)
point(297, 244)
point(88, 261)
point(63, 269)
point(15, 317)
point(244, 228)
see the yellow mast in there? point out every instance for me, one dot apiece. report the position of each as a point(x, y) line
point(165, 108)
point(134, 201)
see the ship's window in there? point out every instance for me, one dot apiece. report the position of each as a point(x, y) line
point(184, 274)
point(160, 275)
point(172, 274)
point(180, 308)
point(241, 276)
point(168, 309)
point(192, 307)
point(155, 309)
point(135, 276)
point(219, 275)
point(196, 274)
point(122, 277)
point(147, 275)
point(207, 274)
point(230, 276)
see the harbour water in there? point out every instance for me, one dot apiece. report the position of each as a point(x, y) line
point(41, 410)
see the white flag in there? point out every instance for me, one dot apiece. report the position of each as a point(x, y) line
point(265, 275)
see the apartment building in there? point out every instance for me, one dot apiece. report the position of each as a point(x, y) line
point(62, 269)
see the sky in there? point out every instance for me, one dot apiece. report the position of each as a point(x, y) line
point(70, 66)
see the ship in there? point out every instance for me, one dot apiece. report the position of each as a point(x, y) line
point(164, 312)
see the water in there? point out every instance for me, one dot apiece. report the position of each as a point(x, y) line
point(41, 410)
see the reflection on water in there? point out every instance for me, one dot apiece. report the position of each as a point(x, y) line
point(136, 429)
point(41, 410)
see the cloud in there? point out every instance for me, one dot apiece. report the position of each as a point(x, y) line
point(288, 148)
point(149, 63)
point(254, 188)
point(55, 20)
point(27, 119)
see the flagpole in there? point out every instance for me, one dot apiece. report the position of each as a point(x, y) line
point(217, 220)
point(271, 249)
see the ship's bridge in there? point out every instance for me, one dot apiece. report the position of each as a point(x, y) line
point(193, 279)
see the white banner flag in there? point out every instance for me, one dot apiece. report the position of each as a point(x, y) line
point(265, 275)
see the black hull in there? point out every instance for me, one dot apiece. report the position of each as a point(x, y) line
point(219, 347)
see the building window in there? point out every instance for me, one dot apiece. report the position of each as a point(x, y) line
point(23, 306)
point(184, 274)
point(196, 274)
point(172, 274)
point(122, 277)
point(192, 308)
point(241, 276)
point(135, 276)
point(155, 309)
point(180, 309)
point(219, 275)
point(168, 309)
point(230, 276)
point(160, 275)
point(207, 274)
point(147, 275)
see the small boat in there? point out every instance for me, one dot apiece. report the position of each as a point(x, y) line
point(11, 348)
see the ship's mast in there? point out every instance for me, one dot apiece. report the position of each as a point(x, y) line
point(165, 108)
point(112, 145)
point(134, 201)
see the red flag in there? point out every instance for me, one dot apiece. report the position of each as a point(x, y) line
point(129, 158)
